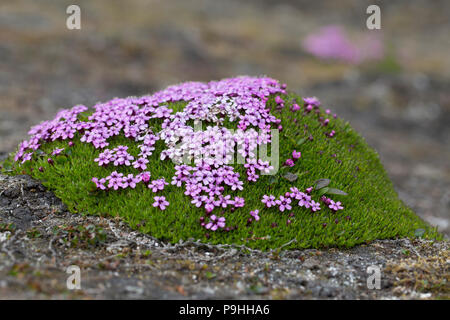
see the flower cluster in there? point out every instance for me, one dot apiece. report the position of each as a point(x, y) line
point(332, 42)
point(335, 206)
point(206, 186)
point(158, 185)
point(118, 156)
point(284, 202)
point(295, 156)
point(208, 176)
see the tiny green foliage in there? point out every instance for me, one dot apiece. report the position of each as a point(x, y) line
point(351, 199)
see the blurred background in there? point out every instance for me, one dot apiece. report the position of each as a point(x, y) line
point(391, 84)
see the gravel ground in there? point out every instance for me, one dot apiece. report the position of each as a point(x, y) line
point(36, 249)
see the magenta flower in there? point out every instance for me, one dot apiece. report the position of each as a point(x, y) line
point(279, 100)
point(223, 201)
point(283, 203)
point(296, 155)
point(215, 223)
point(27, 157)
point(335, 206)
point(100, 184)
point(269, 201)
point(332, 42)
point(103, 159)
point(160, 202)
point(298, 195)
point(114, 180)
point(140, 164)
point(311, 101)
point(239, 202)
point(315, 206)
point(158, 185)
point(305, 200)
point(209, 204)
point(130, 181)
point(289, 163)
point(115, 183)
point(295, 107)
point(198, 200)
point(255, 215)
point(145, 176)
point(325, 200)
point(57, 151)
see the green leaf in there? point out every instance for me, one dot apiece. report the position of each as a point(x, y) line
point(290, 176)
point(323, 191)
point(336, 191)
point(300, 141)
point(322, 183)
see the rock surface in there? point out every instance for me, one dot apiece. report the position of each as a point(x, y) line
point(39, 240)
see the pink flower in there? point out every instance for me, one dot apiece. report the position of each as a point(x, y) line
point(100, 184)
point(315, 206)
point(289, 163)
point(325, 200)
point(158, 185)
point(140, 164)
point(198, 201)
point(27, 157)
point(296, 155)
point(305, 200)
point(335, 206)
point(332, 42)
point(279, 100)
point(255, 215)
point(215, 223)
point(239, 202)
point(130, 181)
point(311, 101)
point(160, 202)
point(57, 151)
point(145, 176)
point(295, 107)
point(209, 204)
point(284, 203)
point(269, 201)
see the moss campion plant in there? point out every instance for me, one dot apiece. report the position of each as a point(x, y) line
point(168, 165)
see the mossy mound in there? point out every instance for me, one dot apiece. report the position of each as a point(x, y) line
point(335, 163)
